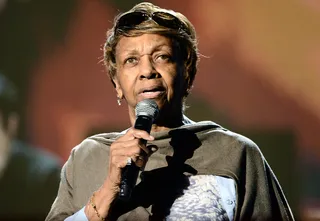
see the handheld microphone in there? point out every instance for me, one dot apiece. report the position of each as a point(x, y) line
point(146, 112)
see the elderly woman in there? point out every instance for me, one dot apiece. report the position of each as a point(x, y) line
point(189, 170)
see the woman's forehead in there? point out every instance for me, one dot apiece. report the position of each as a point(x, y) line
point(143, 44)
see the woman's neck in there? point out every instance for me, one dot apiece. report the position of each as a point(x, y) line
point(165, 121)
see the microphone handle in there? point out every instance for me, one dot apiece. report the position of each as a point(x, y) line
point(130, 172)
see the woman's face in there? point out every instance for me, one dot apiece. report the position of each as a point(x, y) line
point(149, 67)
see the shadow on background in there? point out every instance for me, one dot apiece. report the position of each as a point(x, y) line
point(65, 104)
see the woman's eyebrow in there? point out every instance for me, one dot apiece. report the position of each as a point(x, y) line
point(128, 52)
point(159, 47)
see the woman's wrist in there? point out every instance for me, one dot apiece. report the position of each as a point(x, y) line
point(91, 210)
point(99, 204)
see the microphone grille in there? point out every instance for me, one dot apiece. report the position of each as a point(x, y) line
point(148, 108)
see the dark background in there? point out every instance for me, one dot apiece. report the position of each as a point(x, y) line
point(259, 76)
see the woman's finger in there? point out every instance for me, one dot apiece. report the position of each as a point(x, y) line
point(130, 146)
point(133, 133)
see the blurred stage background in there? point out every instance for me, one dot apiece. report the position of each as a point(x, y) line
point(259, 75)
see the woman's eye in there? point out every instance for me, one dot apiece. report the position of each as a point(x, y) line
point(131, 60)
point(163, 57)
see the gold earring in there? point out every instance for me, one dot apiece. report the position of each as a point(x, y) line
point(119, 101)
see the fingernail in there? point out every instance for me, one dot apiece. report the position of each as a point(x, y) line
point(154, 149)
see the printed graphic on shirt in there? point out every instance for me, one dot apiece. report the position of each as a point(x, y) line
point(200, 201)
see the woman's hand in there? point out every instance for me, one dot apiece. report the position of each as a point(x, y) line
point(127, 146)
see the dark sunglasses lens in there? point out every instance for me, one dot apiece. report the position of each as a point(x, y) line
point(168, 20)
point(161, 18)
point(131, 19)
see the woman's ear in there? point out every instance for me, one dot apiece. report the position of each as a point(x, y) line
point(118, 87)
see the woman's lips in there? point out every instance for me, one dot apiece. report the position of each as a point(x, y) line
point(151, 94)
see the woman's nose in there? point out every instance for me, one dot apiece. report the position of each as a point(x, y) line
point(147, 69)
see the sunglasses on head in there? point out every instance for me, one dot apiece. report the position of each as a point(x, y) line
point(132, 19)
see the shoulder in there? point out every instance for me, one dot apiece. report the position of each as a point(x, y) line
point(242, 142)
point(86, 160)
point(227, 139)
point(94, 145)
point(237, 138)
